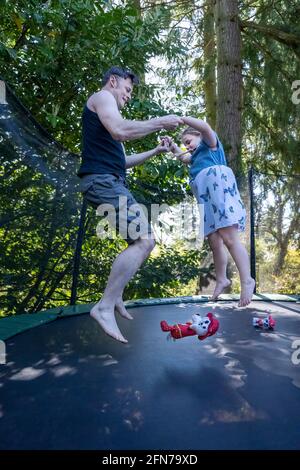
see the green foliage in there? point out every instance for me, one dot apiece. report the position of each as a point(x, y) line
point(167, 273)
point(289, 279)
point(37, 233)
point(277, 219)
point(271, 119)
point(53, 53)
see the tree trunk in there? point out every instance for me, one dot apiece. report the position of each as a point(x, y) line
point(209, 47)
point(229, 80)
point(142, 76)
point(137, 4)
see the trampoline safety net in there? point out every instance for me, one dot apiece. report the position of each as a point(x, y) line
point(41, 208)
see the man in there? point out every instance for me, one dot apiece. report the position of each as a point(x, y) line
point(103, 181)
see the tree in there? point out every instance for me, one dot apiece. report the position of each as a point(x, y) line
point(209, 50)
point(229, 82)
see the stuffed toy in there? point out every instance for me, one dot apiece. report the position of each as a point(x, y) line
point(201, 326)
point(267, 323)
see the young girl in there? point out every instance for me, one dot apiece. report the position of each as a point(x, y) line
point(214, 185)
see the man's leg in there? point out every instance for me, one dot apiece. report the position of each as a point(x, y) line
point(220, 261)
point(121, 309)
point(239, 254)
point(123, 269)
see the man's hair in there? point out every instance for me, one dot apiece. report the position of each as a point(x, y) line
point(119, 72)
point(190, 130)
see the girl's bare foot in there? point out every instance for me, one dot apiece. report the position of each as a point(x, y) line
point(220, 286)
point(120, 308)
point(247, 289)
point(106, 319)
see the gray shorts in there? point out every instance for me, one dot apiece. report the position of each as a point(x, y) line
point(109, 194)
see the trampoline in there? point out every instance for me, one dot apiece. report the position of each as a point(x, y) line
point(66, 385)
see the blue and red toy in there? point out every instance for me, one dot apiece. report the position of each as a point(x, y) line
point(267, 323)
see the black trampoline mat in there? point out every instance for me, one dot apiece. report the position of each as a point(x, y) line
point(66, 385)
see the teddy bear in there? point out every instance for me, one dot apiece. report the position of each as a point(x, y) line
point(201, 326)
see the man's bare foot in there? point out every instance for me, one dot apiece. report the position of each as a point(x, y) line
point(106, 319)
point(120, 308)
point(220, 286)
point(247, 289)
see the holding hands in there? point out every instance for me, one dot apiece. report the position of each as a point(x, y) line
point(163, 146)
point(171, 122)
point(167, 145)
point(171, 146)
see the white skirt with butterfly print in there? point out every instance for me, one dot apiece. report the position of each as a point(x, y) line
point(215, 187)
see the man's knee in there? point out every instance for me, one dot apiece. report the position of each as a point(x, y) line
point(150, 244)
point(147, 244)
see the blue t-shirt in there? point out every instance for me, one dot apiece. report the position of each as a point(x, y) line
point(204, 157)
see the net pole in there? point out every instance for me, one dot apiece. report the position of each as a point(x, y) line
point(252, 228)
point(77, 254)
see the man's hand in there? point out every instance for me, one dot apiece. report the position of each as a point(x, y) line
point(171, 122)
point(163, 146)
point(139, 158)
point(184, 157)
point(172, 146)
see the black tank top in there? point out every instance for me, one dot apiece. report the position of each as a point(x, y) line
point(100, 152)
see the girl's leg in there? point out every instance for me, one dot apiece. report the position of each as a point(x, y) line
point(220, 260)
point(239, 253)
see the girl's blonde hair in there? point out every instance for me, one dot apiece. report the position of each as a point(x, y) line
point(190, 130)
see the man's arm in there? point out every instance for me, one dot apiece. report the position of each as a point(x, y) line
point(208, 134)
point(138, 158)
point(123, 129)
